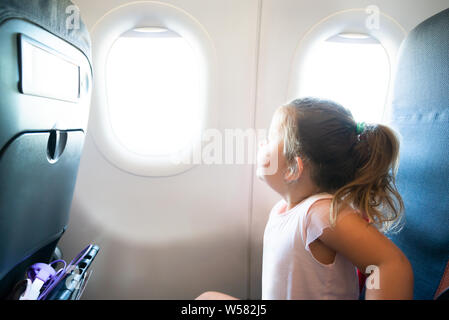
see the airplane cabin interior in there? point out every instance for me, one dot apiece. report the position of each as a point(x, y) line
point(180, 149)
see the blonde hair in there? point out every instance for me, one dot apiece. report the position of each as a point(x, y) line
point(358, 168)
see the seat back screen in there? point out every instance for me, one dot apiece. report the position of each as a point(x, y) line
point(47, 73)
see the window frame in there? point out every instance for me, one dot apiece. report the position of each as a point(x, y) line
point(104, 33)
point(389, 33)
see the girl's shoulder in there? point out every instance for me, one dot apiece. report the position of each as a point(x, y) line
point(319, 212)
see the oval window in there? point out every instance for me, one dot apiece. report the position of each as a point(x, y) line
point(352, 69)
point(152, 87)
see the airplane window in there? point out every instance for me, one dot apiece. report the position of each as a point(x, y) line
point(152, 82)
point(352, 69)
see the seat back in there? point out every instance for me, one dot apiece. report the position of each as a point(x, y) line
point(44, 106)
point(420, 113)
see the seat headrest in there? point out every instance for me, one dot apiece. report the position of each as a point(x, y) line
point(53, 16)
point(420, 113)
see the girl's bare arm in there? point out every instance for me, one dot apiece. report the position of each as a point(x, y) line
point(365, 246)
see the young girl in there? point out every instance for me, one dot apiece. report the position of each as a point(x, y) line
point(336, 179)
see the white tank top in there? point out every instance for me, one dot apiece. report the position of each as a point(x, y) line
point(289, 270)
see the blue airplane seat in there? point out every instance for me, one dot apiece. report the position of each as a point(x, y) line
point(45, 80)
point(420, 113)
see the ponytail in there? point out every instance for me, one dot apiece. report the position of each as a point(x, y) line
point(357, 163)
point(373, 191)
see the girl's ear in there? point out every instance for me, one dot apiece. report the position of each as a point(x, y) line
point(291, 175)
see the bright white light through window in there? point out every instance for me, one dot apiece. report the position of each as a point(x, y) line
point(352, 70)
point(153, 94)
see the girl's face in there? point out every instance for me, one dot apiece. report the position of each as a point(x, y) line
point(271, 162)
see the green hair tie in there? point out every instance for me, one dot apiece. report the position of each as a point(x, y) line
point(360, 127)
